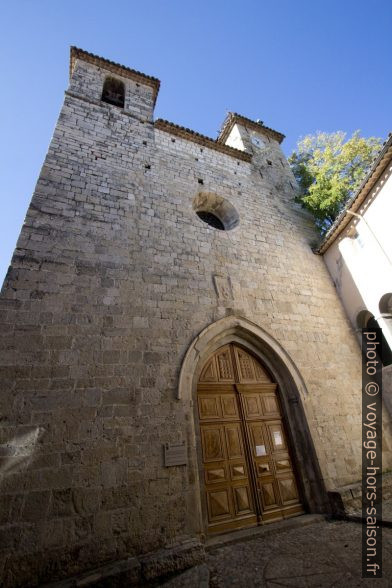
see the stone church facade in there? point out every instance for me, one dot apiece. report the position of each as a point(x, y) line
point(175, 360)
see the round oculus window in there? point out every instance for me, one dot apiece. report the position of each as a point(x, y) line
point(216, 211)
point(211, 219)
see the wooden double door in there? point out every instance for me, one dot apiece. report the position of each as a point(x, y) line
point(248, 472)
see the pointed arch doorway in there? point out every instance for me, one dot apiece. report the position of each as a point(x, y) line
point(248, 473)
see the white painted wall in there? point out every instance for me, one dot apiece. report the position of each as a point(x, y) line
point(235, 138)
point(361, 267)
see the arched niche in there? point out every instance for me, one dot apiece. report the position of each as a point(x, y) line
point(366, 319)
point(386, 303)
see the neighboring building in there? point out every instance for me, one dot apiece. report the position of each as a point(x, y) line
point(176, 360)
point(358, 252)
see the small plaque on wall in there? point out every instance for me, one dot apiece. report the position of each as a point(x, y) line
point(175, 454)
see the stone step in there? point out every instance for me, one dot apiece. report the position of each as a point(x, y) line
point(254, 532)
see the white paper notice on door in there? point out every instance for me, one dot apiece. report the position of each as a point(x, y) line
point(278, 438)
point(260, 450)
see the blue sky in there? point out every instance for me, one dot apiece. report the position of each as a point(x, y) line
point(300, 66)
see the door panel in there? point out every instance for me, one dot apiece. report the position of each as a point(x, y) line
point(252, 406)
point(215, 474)
point(238, 471)
point(259, 443)
point(212, 438)
point(229, 407)
point(225, 365)
point(288, 490)
point(219, 504)
point(248, 369)
point(242, 500)
point(269, 495)
point(270, 405)
point(209, 406)
point(235, 448)
point(248, 473)
point(278, 441)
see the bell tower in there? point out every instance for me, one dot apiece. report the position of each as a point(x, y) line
point(264, 145)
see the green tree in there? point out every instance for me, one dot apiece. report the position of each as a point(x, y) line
point(328, 169)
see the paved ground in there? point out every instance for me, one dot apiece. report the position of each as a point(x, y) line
point(320, 554)
point(386, 511)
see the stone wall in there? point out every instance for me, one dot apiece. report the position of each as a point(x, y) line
point(111, 280)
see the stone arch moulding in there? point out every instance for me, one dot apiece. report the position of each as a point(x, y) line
point(227, 330)
point(234, 329)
